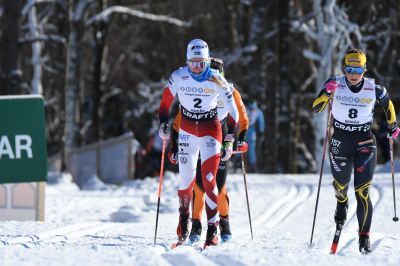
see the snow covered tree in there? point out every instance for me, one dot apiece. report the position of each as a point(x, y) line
point(330, 33)
point(101, 65)
point(10, 73)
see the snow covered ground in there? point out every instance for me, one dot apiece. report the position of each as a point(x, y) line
point(110, 225)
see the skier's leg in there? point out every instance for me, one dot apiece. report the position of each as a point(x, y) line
point(364, 167)
point(364, 207)
point(198, 194)
point(210, 152)
point(198, 206)
point(223, 202)
point(198, 202)
point(210, 157)
point(188, 154)
point(223, 199)
point(341, 167)
point(364, 216)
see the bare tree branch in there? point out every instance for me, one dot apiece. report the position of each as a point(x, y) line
point(81, 8)
point(32, 3)
point(136, 13)
point(50, 38)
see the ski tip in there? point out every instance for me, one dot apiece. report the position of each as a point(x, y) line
point(166, 246)
point(198, 248)
point(333, 248)
point(177, 244)
point(195, 246)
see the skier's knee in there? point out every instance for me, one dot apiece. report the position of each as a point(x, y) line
point(340, 190)
point(362, 191)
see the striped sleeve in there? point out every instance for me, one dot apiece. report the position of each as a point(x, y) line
point(323, 98)
point(383, 100)
point(168, 97)
point(243, 118)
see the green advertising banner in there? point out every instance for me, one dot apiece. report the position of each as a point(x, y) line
point(23, 155)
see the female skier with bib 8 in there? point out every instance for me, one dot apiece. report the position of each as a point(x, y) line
point(353, 146)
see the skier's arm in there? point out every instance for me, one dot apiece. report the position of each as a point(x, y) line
point(232, 121)
point(383, 100)
point(173, 148)
point(230, 102)
point(243, 118)
point(177, 122)
point(323, 98)
point(167, 99)
point(226, 95)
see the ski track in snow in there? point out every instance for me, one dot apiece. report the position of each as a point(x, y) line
point(115, 226)
point(58, 235)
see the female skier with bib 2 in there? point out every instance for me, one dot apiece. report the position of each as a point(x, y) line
point(198, 88)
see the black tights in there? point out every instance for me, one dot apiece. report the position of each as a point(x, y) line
point(348, 152)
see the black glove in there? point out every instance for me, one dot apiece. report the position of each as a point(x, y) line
point(173, 156)
point(240, 140)
point(242, 135)
point(173, 151)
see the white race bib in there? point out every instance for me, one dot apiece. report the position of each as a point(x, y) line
point(354, 109)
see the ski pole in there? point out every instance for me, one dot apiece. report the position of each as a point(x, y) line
point(160, 186)
point(395, 218)
point(247, 195)
point(322, 166)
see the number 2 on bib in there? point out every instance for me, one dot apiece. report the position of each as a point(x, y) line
point(197, 102)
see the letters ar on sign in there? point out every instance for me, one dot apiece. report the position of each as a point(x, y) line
point(23, 156)
point(22, 144)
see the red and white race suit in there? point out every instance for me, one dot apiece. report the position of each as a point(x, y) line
point(200, 131)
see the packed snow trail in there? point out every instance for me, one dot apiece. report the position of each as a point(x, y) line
point(111, 225)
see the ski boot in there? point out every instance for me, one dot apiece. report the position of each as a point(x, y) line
point(341, 213)
point(183, 227)
point(364, 244)
point(195, 233)
point(211, 238)
point(225, 229)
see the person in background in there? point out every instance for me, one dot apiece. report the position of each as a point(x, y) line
point(353, 146)
point(137, 155)
point(151, 166)
point(257, 125)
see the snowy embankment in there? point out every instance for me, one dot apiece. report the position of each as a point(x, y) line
point(110, 225)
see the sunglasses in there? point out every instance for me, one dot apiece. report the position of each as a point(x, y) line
point(197, 64)
point(354, 70)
